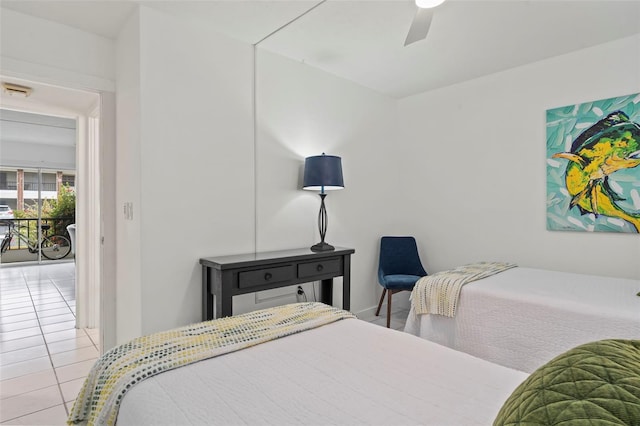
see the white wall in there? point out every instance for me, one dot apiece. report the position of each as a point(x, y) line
point(474, 164)
point(186, 129)
point(196, 144)
point(128, 274)
point(303, 111)
point(48, 52)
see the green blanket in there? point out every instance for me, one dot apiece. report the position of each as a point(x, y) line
point(593, 384)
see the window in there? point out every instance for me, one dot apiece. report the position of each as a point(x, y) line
point(69, 180)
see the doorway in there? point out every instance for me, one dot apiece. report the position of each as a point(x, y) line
point(84, 108)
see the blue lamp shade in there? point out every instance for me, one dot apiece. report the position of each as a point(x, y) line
point(323, 172)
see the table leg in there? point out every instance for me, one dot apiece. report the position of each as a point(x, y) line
point(226, 307)
point(326, 291)
point(346, 283)
point(224, 293)
point(207, 297)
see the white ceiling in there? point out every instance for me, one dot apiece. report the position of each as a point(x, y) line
point(48, 99)
point(362, 40)
point(23, 127)
point(47, 116)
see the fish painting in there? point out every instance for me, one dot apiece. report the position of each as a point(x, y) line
point(610, 145)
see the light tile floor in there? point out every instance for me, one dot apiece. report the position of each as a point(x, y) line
point(43, 357)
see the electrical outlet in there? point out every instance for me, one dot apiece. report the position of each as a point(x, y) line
point(301, 295)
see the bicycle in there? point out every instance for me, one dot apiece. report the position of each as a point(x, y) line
point(52, 247)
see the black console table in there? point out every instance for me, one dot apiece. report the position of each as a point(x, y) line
point(227, 276)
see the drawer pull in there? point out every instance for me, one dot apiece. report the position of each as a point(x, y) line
point(319, 267)
point(267, 276)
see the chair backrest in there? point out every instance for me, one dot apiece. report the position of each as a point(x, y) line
point(399, 255)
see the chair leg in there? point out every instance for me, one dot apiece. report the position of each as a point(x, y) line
point(384, 291)
point(389, 309)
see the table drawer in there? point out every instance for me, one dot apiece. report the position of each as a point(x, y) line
point(265, 276)
point(320, 267)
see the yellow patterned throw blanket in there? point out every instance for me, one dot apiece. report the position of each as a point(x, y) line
point(439, 293)
point(124, 366)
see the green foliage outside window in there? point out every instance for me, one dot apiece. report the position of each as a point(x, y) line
point(62, 210)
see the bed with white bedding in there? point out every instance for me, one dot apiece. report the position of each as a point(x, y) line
point(523, 317)
point(347, 372)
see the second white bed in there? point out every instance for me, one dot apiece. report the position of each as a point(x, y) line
point(523, 317)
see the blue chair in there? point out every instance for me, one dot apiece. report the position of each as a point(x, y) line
point(399, 268)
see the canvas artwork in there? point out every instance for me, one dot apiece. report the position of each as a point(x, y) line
point(593, 166)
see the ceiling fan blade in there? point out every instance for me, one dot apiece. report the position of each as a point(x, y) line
point(419, 26)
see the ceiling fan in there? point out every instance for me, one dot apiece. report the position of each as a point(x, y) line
point(422, 21)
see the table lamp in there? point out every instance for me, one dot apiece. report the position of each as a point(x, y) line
point(322, 173)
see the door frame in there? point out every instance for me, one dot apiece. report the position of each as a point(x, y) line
point(96, 246)
point(88, 252)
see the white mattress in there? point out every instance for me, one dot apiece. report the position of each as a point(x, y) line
point(346, 373)
point(523, 317)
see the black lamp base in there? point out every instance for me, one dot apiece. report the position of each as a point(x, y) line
point(322, 227)
point(322, 246)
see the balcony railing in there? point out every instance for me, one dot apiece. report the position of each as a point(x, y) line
point(29, 228)
point(33, 186)
point(30, 186)
point(44, 186)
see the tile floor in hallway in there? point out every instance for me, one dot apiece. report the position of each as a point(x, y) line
point(43, 357)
